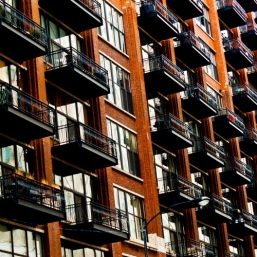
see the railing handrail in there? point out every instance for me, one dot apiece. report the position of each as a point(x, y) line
point(252, 69)
point(24, 102)
point(225, 3)
point(222, 205)
point(252, 133)
point(94, 5)
point(250, 26)
point(26, 25)
point(244, 87)
point(249, 218)
point(232, 117)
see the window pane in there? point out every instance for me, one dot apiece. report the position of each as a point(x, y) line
point(8, 155)
point(31, 244)
point(20, 158)
point(19, 241)
point(5, 238)
point(78, 183)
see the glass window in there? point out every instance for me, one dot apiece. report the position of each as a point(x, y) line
point(119, 82)
point(82, 252)
point(211, 69)
point(204, 21)
point(127, 151)
point(112, 28)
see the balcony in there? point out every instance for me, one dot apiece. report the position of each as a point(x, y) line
point(244, 97)
point(249, 5)
point(30, 201)
point(251, 190)
point(236, 173)
point(187, 9)
point(161, 75)
point(170, 133)
point(248, 142)
point(249, 35)
point(206, 155)
point(78, 142)
point(231, 13)
point(228, 124)
point(156, 20)
point(77, 74)
point(217, 211)
point(237, 54)
point(97, 223)
point(24, 117)
point(23, 38)
point(252, 74)
point(199, 102)
point(191, 50)
point(245, 224)
point(175, 189)
point(88, 12)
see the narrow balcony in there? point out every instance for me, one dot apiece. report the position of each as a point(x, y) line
point(23, 38)
point(248, 142)
point(191, 50)
point(161, 75)
point(206, 155)
point(228, 124)
point(217, 211)
point(249, 5)
point(244, 97)
point(157, 20)
point(187, 9)
point(236, 173)
point(249, 35)
point(78, 142)
point(237, 54)
point(231, 13)
point(199, 102)
point(252, 74)
point(77, 74)
point(170, 133)
point(175, 189)
point(88, 12)
point(251, 190)
point(244, 224)
point(30, 201)
point(98, 223)
point(24, 117)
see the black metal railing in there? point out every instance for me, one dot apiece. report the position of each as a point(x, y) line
point(221, 205)
point(17, 186)
point(71, 57)
point(206, 145)
point(238, 89)
point(248, 218)
point(250, 26)
point(151, 6)
point(232, 255)
point(173, 182)
point(227, 3)
point(196, 90)
point(252, 69)
point(189, 38)
point(163, 63)
point(170, 122)
point(91, 212)
point(198, 2)
point(232, 117)
point(78, 132)
point(93, 5)
point(27, 104)
point(22, 23)
point(237, 165)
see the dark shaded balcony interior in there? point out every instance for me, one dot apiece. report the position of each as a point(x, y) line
point(88, 12)
point(206, 155)
point(244, 97)
point(217, 211)
point(249, 35)
point(248, 5)
point(161, 75)
point(96, 223)
point(170, 133)
point(156, 20)
point(244, 224)
point(252, 74)
point(248, 142)
point(77, 74)
point(187, 9)
point(191, 50)
point(174, 189)
point(23, 38)
point(228, 124)
point(30, 201)
point(236, 173)
point(237, 54)
point(251, 190)
point(231, 13)
point(24, 117)
point(199, 102)
point(84, 147)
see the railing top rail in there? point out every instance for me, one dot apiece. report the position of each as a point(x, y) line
point(244, 87)
point(92, 4)
point(224, 3)
point(232, 117)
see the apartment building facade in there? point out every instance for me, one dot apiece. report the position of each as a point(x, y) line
point(115, 111)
